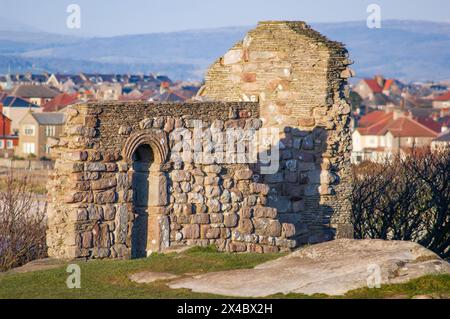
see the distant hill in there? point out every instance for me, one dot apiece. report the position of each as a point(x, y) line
point(409, 50)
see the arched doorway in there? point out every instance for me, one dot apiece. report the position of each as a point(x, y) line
point(146, 153)
point(142, 160)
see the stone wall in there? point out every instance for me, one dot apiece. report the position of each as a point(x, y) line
point(93, 210)
point(299, 77)
point(117, 191)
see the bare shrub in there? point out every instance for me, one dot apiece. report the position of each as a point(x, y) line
point(406, 198)
point(22, 223)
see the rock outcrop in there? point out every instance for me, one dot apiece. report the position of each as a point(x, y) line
point(331, 268)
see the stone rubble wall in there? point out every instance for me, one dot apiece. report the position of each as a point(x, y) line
point(299, 77)
point(283, 75)
point(91, 204)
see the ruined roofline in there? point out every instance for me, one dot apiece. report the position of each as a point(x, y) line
point(156, 103)
point(204, 109)
point(302, 28)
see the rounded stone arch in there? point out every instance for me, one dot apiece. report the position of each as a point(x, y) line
point(149, 231)
point(156, 139)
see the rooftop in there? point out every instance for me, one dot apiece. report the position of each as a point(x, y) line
point(34, 91)
point(50, 118)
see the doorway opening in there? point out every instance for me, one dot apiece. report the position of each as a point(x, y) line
point(142, 160)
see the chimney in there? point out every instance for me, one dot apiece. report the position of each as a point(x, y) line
point(163, 87)
point(397, 113)
point(435, 117)
point(380, 80)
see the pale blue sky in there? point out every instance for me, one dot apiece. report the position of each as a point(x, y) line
point(115, 17)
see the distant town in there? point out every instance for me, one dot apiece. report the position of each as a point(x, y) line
point(33, 105)
point(389, 117)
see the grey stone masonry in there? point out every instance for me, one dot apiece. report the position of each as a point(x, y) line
point(299, 78)
point(118, 191)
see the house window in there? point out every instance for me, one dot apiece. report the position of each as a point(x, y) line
point(28, 130)
point(50, 130)
point(28, 148)
point(9, 144)
point(2, 144)
point(47, 149)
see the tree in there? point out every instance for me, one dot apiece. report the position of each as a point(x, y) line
point(22, 224)
point(406, 198)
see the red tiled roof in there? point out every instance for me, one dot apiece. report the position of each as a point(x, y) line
point(373, 117)
point(388, 84)
point(430, 123)
point(147, 94)
point(373, 85)
point(380, 122)
point(407, 127)
point(443, 97)
point(59, 102)
point(373, 122)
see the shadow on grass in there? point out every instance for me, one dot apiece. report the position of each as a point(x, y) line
point(109, 278)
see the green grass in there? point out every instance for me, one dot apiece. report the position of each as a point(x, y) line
point(438, 286)
point(109, 278)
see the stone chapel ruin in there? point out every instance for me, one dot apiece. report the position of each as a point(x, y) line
point(117, 191)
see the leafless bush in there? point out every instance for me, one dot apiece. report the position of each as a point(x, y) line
point(22, 223)
point(407, 198)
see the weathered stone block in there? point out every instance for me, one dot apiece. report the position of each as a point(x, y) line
point(236, 247)
point(102, 184)
point(264, 212)
point(230, 219)
point(106, 197)
point(243, 174)
point(191, 231)
point(245, 226)
point(216, 218)
point(200, 219)
point(288, 230)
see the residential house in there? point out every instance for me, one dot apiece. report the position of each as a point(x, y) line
point(381, 134)
point(3, 82)
point(15, 108)
point(65, 82)
point(442, 101)
point(7, 140)
point(442, 141)
point(86, 93)
point(36, 94)
point(60, 102)
point(38, 132)
point(380, 92)
point(367, 88)
point(166, 94)
point(108, 91)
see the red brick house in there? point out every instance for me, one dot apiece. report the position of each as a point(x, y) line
point(7, 140)
point(381, 134)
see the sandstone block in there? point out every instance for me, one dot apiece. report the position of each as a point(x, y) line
point(288, 230)
point(191, 231)
point(106, 197)
point(264, 212)
point(237, 247)
point(200, 219)
point(230, 219)
point(216, 218)
point(245, 226)
point(243, 174)
point(232, 57)
point(102, 184)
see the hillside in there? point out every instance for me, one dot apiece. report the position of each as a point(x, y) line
point(409, 50)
